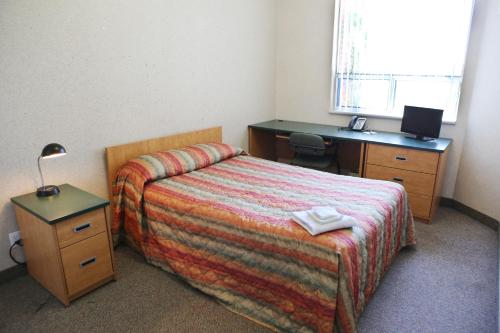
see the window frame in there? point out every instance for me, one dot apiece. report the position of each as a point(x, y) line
point(334, 87)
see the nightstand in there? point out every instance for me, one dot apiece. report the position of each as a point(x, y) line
point(67, 241)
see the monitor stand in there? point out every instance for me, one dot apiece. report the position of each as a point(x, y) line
point(420, 138)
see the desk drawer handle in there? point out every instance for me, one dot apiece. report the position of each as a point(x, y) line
point(87, 262)
point(401, 158)
point(82, 227)
point(398, 179)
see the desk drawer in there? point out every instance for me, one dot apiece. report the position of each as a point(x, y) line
point(80, 227)
point(401, 158)
point(86, 263)
point(420, 205)
point(415, 182)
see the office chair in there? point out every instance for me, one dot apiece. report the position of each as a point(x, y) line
point(310, 151)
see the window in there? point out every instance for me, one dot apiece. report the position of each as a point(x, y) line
point(391, 53)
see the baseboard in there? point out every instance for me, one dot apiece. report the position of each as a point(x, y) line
point(12, 273)
point(447, 202)
point(471, 212)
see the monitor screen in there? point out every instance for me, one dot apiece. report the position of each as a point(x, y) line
point(422, 122)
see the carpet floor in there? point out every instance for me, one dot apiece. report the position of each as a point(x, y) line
point(447, 283)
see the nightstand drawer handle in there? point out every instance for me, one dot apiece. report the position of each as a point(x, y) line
point(87, 262)
point(82, 227)
point(398, 179)
point(401, 158)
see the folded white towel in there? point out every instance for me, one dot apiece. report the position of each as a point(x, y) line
point(323, 214)
point(314, 228)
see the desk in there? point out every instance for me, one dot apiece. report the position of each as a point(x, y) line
point(418, 165)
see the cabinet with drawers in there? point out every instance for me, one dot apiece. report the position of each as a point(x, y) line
point(419, 171)
point(67, 241)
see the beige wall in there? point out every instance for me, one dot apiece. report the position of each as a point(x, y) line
point(303, 71)
point(478, 181)
point(89, 74)
point(304, 35)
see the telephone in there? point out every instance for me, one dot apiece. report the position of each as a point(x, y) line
point(357, 123)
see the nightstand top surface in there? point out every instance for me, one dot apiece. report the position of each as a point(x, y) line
point(71, 201)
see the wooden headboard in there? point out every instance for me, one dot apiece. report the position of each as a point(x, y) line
point(116, 156)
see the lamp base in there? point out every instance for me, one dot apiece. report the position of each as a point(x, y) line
point(47, 191)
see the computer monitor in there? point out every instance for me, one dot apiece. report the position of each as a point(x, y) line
point(424, 123)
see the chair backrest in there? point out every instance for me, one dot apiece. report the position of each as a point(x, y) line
point(307, 144)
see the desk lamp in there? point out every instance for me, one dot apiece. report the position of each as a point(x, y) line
point(49, 151)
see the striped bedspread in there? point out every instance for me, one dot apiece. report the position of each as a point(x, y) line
point(226, 229)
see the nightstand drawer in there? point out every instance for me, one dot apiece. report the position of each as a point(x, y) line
point(420, 205)
point(86, 263)
point(401, 158)
point(80, 227)
point(415, 182)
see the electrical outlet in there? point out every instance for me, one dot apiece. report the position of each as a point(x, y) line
point(14, 236)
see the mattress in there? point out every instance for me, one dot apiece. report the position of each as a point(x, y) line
point(224, 226)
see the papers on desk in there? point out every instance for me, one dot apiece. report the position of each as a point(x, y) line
point(322, 219)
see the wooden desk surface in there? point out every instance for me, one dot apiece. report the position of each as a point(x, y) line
point(338, 133)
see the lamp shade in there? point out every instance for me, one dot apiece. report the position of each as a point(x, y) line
point(53, 150)
point(49, 151)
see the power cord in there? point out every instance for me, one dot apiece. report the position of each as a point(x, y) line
point(18, 242)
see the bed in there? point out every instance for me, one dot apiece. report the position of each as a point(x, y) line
point(221, 220)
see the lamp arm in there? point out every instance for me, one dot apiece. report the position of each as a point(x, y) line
point(40, 170)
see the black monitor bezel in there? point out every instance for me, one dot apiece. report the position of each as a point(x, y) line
point(421, 134)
